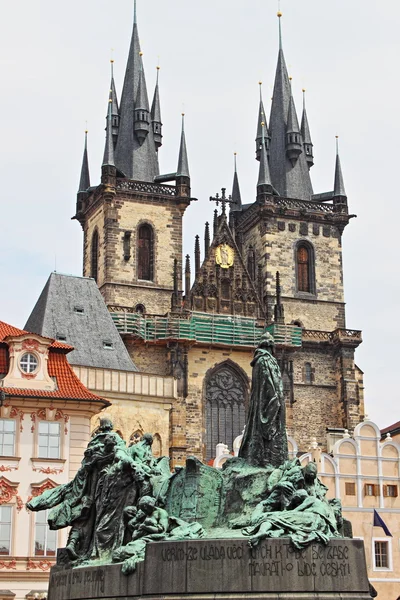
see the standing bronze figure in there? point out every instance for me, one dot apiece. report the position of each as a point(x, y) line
point(264, 441)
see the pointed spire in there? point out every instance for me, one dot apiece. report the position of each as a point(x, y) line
point(294, 145)
point(290, 180)
point(108, 158)
point(339, 189)
point(264, 177)
point(134, 12)
point(305, 134)
point(135, 154)
point(262, 118)
point(236, 195)
point(114, 106)
point(206, 239)
point(84, 183)
point(156, 115)
point(215, 222)
point(197, 255)
point(187, 277)
point(183, 163)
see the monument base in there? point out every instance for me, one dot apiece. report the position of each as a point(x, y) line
point(218, 569)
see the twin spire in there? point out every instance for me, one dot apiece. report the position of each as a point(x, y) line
point(133, 130)
point(283, 147)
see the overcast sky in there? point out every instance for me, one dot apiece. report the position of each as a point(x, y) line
point(54, 59)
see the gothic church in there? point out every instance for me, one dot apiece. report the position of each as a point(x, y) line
point(274, 263)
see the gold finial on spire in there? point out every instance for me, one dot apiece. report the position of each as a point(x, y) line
point(279, 14)
point(262, 124)
point(140, 53)
point(304, 90)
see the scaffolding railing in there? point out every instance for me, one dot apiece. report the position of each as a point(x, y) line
point(204, 328)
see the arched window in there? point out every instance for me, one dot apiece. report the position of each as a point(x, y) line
point(251, 263)
point(157, 446)
point(145, 252)
point(226, 392)
point(94, 255)
point(308, 373)
point(305, 268)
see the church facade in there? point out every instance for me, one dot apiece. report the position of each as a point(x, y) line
point(274, 263)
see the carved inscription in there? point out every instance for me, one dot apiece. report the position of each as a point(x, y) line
point(269, 560)
point(79, 577)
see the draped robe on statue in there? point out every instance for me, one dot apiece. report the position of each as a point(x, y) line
point(264, 440)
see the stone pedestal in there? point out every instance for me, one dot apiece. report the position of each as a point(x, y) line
point(221, 569)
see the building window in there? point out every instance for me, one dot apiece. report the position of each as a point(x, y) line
point(308, 373)
point(390, 491)
point(28, 363)
point(371, 489)
point(7, 437)
point(94, 255)
point(305, 268)
point(350, 489)
point(382, 555)
point(49, 439)
point(127, 245)
point(140, 309)
point(145, 253)
point(226, 393)
point(45, 539)
point(5, 530)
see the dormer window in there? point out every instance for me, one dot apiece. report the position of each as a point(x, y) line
point(79, 310)
point(61, 337)
point(28, 363)
point(108, 346)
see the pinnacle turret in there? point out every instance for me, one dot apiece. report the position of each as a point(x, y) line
point(264, 186)
point(135, 154)
point(305, 134)
point(114, 107)
point(156, 115)
point(262, 118)
point(108, 159)
point(294, 143)
point(142, 109)
point(236, 195)
point(183, 163)
point(339, 189)
point(84, 183)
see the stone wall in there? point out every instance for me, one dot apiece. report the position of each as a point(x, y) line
point(124, 215)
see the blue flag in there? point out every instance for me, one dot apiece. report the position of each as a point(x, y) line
point(379, 522)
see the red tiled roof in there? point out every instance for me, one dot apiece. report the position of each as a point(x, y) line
point(391, 428)
point(68, 384)
point(7, 330)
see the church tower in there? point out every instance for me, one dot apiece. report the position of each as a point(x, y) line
point(132, 220)
point(271, 262)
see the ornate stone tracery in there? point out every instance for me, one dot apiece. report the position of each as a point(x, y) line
point(9, 493)
point(226, 394)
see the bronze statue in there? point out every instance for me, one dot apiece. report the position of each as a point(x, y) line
point(264, 441)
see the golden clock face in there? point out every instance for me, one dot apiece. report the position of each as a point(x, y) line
point(224, 256)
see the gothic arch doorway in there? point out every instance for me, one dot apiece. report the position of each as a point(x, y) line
point(226, 394)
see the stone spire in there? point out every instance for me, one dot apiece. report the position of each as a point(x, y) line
point(108, 158)
point(156, 115)
point(305, 134)
point(294, 143)
point(183, 163)
point(206, 239)
point(84, 182)
point(197, 255)
point(135, 155)
point(264, 178)
point(142, 109)
point(292, 181)
point(262, 118)
point(236, 195)
point(339, 190)
point(187, 277)
point(114, 107)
